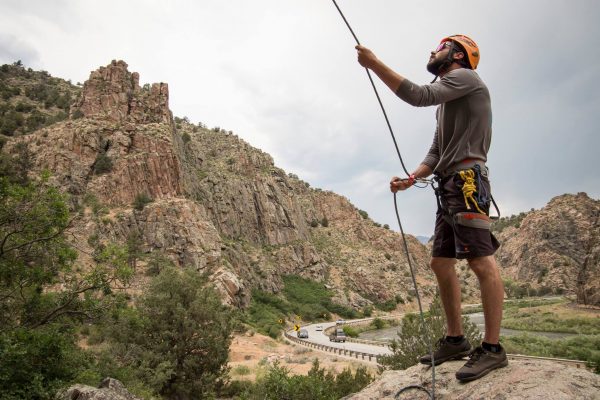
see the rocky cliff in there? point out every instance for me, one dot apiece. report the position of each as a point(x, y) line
point(524, 380)
point(206, 199)
point(557, 248)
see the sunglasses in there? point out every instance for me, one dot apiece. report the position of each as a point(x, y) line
point(442, 46)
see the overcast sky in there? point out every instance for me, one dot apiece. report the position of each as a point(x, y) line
point(283, 76)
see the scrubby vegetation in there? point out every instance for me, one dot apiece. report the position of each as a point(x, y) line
point(276, 383)
point(512, 220)
point(30, 100)
point(301, 300)
point(414, 340)
point(584, 348)
point(540, 320)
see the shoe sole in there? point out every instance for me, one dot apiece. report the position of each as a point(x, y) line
point(484, 372)
point(458, 356)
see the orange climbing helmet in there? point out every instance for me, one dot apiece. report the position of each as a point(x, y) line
point(470, 47)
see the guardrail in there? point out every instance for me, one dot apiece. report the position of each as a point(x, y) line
point(336, 350)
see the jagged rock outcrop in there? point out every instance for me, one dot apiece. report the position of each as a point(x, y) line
point(557, 247)
point(114, 93)
point(109, 389)
point(523, 380)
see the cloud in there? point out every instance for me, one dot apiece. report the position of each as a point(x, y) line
point(13, 49)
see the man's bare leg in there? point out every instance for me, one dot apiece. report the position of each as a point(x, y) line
point(449, 292)
point(492, 295)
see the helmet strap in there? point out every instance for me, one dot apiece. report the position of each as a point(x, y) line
point(449, 59)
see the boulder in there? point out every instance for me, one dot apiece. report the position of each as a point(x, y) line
point(522, 379)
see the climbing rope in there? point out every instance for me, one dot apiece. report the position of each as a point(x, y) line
point(423, 183)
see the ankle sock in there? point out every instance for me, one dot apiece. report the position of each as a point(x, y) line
point(494, 348)
point(454, 339)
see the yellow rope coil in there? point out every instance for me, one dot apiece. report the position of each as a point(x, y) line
point(469, 188)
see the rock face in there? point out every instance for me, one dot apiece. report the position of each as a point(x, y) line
point(216, 203)
point(523, 380)
point(114, 93)
point(557, 247)
point(109, 389)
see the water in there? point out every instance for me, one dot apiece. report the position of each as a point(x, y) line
point(388, 334)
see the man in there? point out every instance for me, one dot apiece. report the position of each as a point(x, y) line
point(457, 158)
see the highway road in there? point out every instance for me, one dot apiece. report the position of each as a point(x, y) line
point(320, 337)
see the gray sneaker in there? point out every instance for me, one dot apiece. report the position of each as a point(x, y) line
point(447, 351)
point(480, 363)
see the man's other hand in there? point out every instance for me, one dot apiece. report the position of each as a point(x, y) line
point(401, 184)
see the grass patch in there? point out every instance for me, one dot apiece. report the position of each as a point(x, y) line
point(584, 347)
point(551, 319)
point(241, 370)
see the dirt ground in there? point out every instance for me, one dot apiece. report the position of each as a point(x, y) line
point(250, 355)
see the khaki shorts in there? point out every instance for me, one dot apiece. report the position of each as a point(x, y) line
point(454, 240)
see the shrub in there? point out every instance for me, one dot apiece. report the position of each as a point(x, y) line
point(389, 305)
point(277, 384)
point(414, 339)
point(38, 362)
point(378, 323)
point(102, 164)
point(350, 331)
point(186, 137)
point(178, 307)
point(325, 222)
point(141, 200)
point(363, 214)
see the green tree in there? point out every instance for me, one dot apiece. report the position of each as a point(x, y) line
point(414, 341)
point(177, 339)
point(42, 296)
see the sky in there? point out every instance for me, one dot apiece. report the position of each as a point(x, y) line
point(283, 76)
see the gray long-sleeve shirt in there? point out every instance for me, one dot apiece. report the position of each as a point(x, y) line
point(464, 117)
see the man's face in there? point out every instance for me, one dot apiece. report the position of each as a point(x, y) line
point(438, 58)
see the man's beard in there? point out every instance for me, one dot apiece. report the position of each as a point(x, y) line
point(436, 66)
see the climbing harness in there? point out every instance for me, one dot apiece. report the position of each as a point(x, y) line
point(474, 194)
point(418, 182)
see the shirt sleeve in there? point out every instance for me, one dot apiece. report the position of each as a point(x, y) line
point(454, 84)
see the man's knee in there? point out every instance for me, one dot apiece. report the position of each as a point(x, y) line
point(442, 265)
point(483, 266)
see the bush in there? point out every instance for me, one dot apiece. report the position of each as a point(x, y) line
point(414, 339)
point(141, 200)
point(389, 305)
point(186, 137)
point(178, 308)
point(363, 214)
point(378, 323)
point(36, 363)
point(318, 384)
point(102, 164)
